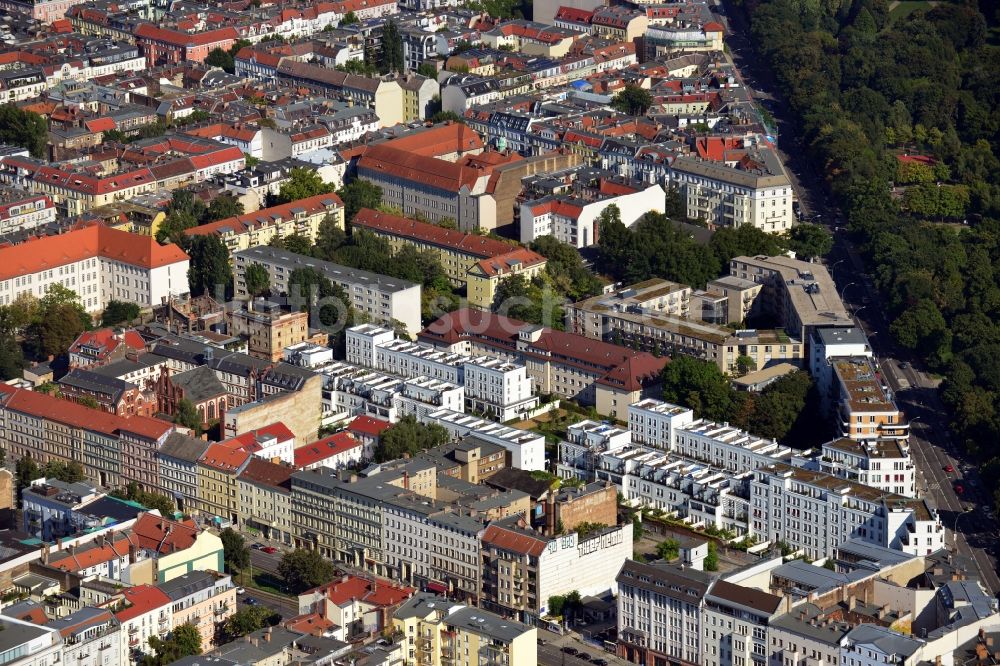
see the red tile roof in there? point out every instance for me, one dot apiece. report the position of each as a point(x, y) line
point(367, 425)
point(163, 535)
point(514, 541)
point(267, 473)
point(107, 340)
point(375, 592)
point(404, 227)
point(142, 599)
point(439, 140)
point(91, 555)
point(177, 38)
point(615, 366)
point(428, 171)
point(310, 623)
point(47, 252)
point(327, 447)
point(225, 456)
point(76, 415)
point(265, 217)
point(249, 440)
point(518, 259)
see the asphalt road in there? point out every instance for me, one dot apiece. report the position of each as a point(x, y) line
point(978, 536)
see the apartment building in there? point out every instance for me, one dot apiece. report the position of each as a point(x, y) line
point(352, 391)
point(865, 406)
point(659, 613)
point(299, 218)
point(145, 612)
point(269, 330)
point(218, 491)
point(655, 422)
point(736, 620)
point(885, 464)
point(827, 344)
point(113, 450)
point(438, 631)
point(590, 371)
point(815, 512)
point(493, 386)
point(476, 261)
point(98, 263)
point(526, 448)
point(754, 190)
point(21, 210)
point(801, 296)
point(657, 316)
point(385, 98)
point(264, 489)
point(203, 599)
point(177, 461)
point(523, 569)
point(382, 299)
point(580, 453)
point(574, 221)
point(89, 634)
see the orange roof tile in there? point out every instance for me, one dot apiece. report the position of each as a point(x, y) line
point(327, 447)
point(39, 254)
point(515, 542)
point(142, 599)
point(375, 592)
point(474, 244)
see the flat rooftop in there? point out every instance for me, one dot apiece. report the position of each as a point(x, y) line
point(354, 276)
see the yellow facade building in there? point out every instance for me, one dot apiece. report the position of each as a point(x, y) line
point(439, 632)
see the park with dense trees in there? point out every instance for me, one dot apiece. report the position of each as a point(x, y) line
point(866, 87)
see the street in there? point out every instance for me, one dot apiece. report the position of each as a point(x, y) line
point(974, 529)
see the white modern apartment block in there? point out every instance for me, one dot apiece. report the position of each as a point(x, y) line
point(830, 343)
point(816, 512)
point(736, 619)
point(498, 388)
point(352, 391)
point(98, 263)
point(574, 221)
point(308, 355)
point(494, 387)
point(655, 423)
point(754, 191)
point(885, 464)
point(527, 449)
point(580, 453)
point(693, 491)
point(671, 428)
point(659, 613)
point(381, 298)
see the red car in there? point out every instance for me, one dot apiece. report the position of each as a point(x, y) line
point(949, 469)
point(959, 489)
point(270, 550)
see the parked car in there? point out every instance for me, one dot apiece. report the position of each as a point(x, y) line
point(250, 601)
point(959, 489)
point(570, 650)
point(583, 656)
point(600, 662)
point(270, 550)
point(240, 591)
point(257, 546)
point(949, 469)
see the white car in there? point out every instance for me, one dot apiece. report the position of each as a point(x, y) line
point(240, 591)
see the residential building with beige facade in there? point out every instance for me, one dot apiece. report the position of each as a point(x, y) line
point(218, 469)
point(269, 330)
point(203, 599)
point(301, 218)
point(439, 632)
point(477, 261)
point(265, 499)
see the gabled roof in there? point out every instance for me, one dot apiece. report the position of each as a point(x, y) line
point(267, 216)
point(327, 447)
point(142, 599)
point(229, 457)
point(371, 591)
point(163, 535)
point(47, 252)
point(404, 227)
point(515, 541)
point(368, 425)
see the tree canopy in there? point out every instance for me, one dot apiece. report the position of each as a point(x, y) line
point(632, 100)
point(119, 312)
point(23, 128)
point(258, 280)
point(409, 437)
point(235, 551)
point(302, 183)
point(209, 271)
point(303, 569)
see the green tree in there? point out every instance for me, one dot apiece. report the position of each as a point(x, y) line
point(26, 470)
point(712, 559)
point(632, 100)
point(235, 550)
point(247, 620)
point(57, 321)
point(119, 312)
point(258, 280)
point(222, 59)
point(209, 271)
point(392, 49)
point(556, 604)
point(669, 549)
point(427, 69)
point(533, 301)
point(187, 415)
point(350, 18)
point(745, 364)
point(810, 241)
point(71, 472)
point(302, 183)
point(329, 238)
point(699, 385)
point(183, 641)
point(295, 243)
point(359, 194)
point(222, 207)
point(409, 437)
point(25, 129)
point(566, 269)
point(445, 116)
point(304, 569)
point(637, 529)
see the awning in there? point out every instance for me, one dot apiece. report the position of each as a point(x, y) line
point(437, 587)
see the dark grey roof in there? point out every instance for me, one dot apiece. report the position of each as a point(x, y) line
point(487, 624)
point(188, 584)
point(112, 509)
point(16, 634)
point(199, 384)
point(268, 255)
point(183, 447)
point(511, 478)
point(85, 380)
point(684, 584)
point(124, 366)
point(884, 639)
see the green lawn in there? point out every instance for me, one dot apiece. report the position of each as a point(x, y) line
point(904, 8)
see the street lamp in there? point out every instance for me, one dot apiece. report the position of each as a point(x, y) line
point(955, 526)
point(851, 284)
